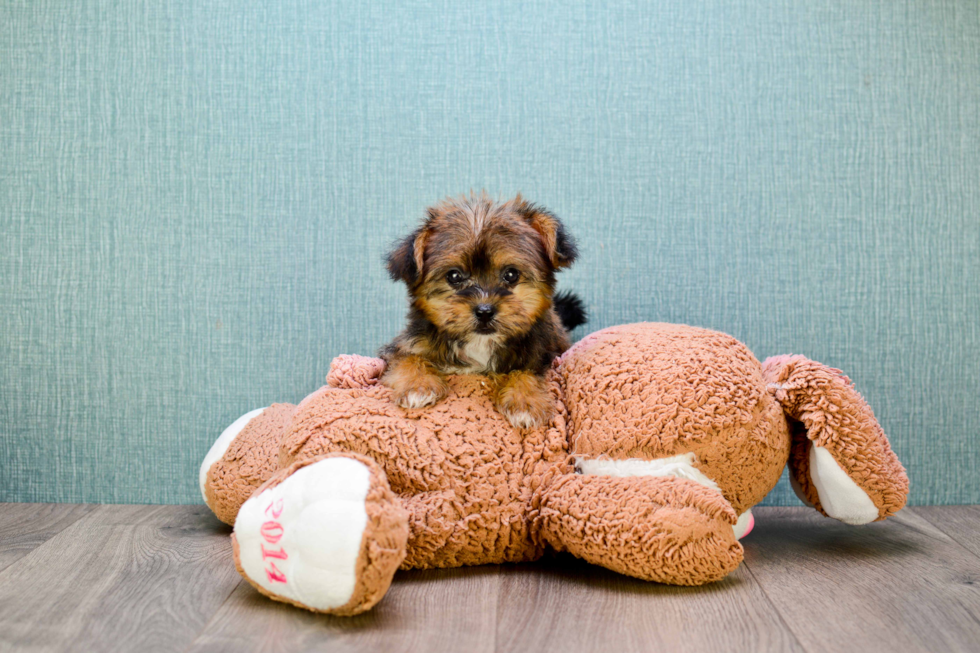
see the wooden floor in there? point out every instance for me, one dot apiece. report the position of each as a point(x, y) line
point(161, 578)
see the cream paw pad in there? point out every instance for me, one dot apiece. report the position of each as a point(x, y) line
point(327, 535)
point(840, 496)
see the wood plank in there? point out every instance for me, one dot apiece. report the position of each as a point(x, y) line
point(564, 604)
point(119, 578)
point(560, 605)
point(961, 523)
point(897, 585)
point(427, 611)
point(26, 526)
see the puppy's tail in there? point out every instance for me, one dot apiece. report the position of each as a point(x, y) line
point(570, 309)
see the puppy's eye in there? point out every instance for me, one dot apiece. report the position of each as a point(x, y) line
point(454, 277)
point(511, 275)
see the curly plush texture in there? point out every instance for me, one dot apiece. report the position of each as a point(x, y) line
point(353, 371)
point(694, 429)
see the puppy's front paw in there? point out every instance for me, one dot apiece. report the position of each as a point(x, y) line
point(422, 392)
point(524, 401)
point(413, 382)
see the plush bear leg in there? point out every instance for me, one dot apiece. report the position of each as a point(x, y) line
point(665, 529)
point(840, 460)
point(326, 534)
point(243, 458)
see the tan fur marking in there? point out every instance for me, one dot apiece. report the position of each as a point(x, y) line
point(525, 306)
point(547, 228)
point(418, 251)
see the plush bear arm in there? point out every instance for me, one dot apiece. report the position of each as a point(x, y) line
point(841, 462)
point(665, 529)
point(353, 371)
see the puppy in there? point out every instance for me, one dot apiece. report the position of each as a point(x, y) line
point(481, 280)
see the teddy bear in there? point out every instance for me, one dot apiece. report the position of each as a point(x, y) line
point(663, 437)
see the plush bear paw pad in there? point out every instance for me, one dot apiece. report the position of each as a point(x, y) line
point(300, 540)
point(840, 496)
point(744, 525)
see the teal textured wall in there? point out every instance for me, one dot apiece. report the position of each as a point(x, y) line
point(195, 199)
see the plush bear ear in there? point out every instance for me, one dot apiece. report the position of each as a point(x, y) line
point(559, 246)
point(405, 261)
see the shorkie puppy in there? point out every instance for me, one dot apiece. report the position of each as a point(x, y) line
point(481, 279)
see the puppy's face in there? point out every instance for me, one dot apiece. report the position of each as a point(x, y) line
point(477, 266)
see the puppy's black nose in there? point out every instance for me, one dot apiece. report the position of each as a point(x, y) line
point(484, 312)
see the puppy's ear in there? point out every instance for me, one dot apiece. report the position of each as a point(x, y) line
point(405, 261)
point(559, 246)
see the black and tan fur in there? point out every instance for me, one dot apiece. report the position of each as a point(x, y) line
point(481, 279)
